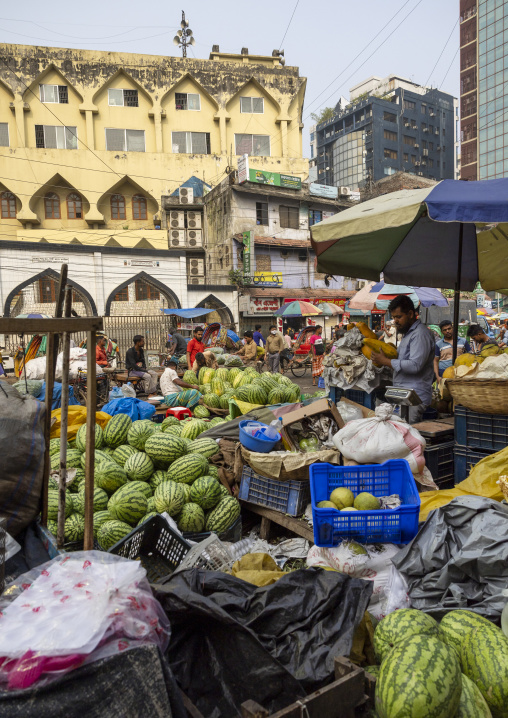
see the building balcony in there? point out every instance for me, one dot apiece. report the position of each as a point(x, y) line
point(156, 239)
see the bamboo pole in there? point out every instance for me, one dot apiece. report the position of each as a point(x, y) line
point(91, 405)
point(50, 377)
point(62, 483)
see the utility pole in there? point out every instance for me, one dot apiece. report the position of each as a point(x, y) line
point(183, 37)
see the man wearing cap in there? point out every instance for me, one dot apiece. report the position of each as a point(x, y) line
point(170, 383)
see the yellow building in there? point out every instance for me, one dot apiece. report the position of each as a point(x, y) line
point(89, 143)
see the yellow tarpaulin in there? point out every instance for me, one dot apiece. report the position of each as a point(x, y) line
point(480, 482)
point(257, 568)
point(77, 417)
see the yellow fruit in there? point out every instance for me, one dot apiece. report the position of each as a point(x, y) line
point(465, 360)
point(490, 350)
point(342, 497)
point(367, 502)
point(449, 373)
point(366, 331)
point(326, 505)
point(351, 325)
point(370, 345)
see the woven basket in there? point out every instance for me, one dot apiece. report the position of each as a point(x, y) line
point(487, 396)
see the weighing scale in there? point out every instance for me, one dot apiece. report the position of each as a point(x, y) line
point(404, 398)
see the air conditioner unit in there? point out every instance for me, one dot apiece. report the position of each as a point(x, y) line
point(439, 148)
point(194, 238)
point(177, 238)
point(196, 280)
point(425, 153)
point(344, 191)
point(417, 163)
point(417, 146)
point(176, 220)
point(420, 174)
point(436, 132)
point(186, 195)
point(425, 129)
point(196, 267)
point(194, 220)
point(432, 114)
point(406, 124)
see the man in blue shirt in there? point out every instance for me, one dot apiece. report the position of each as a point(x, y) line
point(444, 348)
point(414, 368)
point(258, 337)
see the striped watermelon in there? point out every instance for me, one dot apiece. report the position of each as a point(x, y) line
point(190, 377)
point(81, 437)
point(100, 500)
point(111, 532)
point(211, 400)
point(108, 450)
point(242, 379)
point(224, 400)
point(193, 429)
point(217, 386)
point(201, 375)
point(223, 515)
point(420, 677)
point(207, 389)
point(457, 625)
point(110, 476)
point(472, 703)
point(484, 659)
point(201, 412)
point(205, 492)
point(157, 478)
point(169, 496)
point(233, 373)
point(207, 447)
point(142, 486)
point(398, 626)
point(225, 492)
point(139, 432)
point(257, 394)
point(53, 505)
point(54, 446)
point(188, 468)
point(100, 518)
point(52, 526)
point(208, 375)
point(222, 373)
point(292, 394)
point(242, 393)
point(147, 517)
point(276, 396)
point(151, 504)
point(283, 380)
point(373, 670)
point(73, 460)
point(168, 421)
point(174, 429)
point(74, 528)
point(100, 456)
point(139, 466)
point(128, 504)
point(165, 447)
point(213, 471)
point(77, 482)
point(115, 433)
point(191, 518)
point(217, 420)
point(122, 453)
point(186, 492)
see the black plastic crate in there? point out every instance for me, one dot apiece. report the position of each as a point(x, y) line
point(232, 534)
point(361, 397)
point(488, 432)
point(289, 497)
point(160, 549)
point(440, 462)
point(465, 459)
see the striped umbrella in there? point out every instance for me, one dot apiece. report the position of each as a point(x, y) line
point(330, 310)
point(298, 308)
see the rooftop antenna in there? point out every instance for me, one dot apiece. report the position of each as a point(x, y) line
point(183, 37)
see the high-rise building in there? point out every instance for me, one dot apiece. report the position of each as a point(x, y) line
point(483, 98)
point(390, 125)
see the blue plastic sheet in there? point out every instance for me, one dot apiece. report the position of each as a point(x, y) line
point(135, 408)
point(57, 395)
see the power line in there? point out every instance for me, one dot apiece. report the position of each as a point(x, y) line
point(449, 67)
point(289, 23)
point(442, 51)
point(94, 42)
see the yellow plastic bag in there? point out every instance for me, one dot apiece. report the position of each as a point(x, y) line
point(257, 568)
point(480, 482)
point(76, 418)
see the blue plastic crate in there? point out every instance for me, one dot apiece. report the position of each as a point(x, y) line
point(321, 383)
point(389, 525)
point(361, 397)
point(290, 497)
point(488, 432)
point(465, 459)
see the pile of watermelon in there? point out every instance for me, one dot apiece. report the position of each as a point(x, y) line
point(458, 667)
point(141, 469)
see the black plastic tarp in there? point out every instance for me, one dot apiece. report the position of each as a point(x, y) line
point(459, 558)
point(232, 641)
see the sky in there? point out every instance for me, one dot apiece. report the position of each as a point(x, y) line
point(335, 43)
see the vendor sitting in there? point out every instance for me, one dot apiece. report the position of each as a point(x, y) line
point(414, 368)
point(204, 359)
point(477, 339)
point(171, 384)
point(101, 358)
point(249, 350)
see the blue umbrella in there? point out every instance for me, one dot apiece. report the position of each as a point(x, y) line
point(425, 296)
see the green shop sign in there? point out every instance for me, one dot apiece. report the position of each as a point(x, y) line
point(274, 179)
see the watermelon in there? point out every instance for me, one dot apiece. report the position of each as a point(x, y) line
point(242, 379)
point(223, 515)
point(151, 504)
point(232, 360)
point(213, 471)
point(73, 460)
point(276, 396)
point(208, 375)
point(457, 625)
point(472, 703)
point(99, 457)
point(201, 412)
point(233, 373)
point(139, 466)
point(98, 519)
point(81, 437)
point(115, 433)
point(186, 492)
point(144, 487)
point(190, 377)
point(74, 529)
point(224, 492)
point(169, 496)
point(128, 504)
point(398, 626)
point(207, 447)
point(243, 393)
point(201, 375)
point(283, 380)
point(257, 394)
point(165, 447)
point(147, 517)
point(122, 453)
point(484, 659)
point(217, 420)
point(110, 476)
point(111, 532)
point(54, 446)
point(191, 518)
point(52, 525)
point(207, 389)
point(157, 478)
point(193, 429)
point(224, 401)
point(188, 468)
point(77, 481)
point(292, 394)
point(211, 400)
point(174, 429)
point(139, 433)
point(53, 505)
point(420, 677)
point(168, 421)
point(100, 500)
point(205, 492)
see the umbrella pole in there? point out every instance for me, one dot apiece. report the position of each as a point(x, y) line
point(456, 300)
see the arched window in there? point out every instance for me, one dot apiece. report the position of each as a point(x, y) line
point(74, 206)
point(138, 207)
point(117, 207)
point(8, 205)
point(52, 206)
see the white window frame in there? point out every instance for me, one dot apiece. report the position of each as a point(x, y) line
point(125, 148)
point(8, 134)
point(190, 109)
point(122, 90)
point(61, 135)
point(50, 102)
point(188, 141)
point(252, 111)
point(237, 134)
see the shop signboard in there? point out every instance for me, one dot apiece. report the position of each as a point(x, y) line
point(323, 190)
point(274, 179)
point(247, 253)
point(263, 305)
point(267, 279)
point(243, 169)
point(338, 302)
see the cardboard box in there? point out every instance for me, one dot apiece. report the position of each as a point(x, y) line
point(322, 406)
